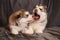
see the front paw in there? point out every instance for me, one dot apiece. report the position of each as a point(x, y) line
point(13, 31)
point(38, 31)
point(28, 31)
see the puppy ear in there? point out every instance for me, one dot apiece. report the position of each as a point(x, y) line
point(36, 6)
point(40, 5)
point(45, 7)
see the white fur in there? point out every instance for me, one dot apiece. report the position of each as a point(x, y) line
point(39, 25)
point(14, 29)
point(22, 24)
point(34, 26)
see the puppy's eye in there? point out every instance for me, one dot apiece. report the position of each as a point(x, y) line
point(18, 16)
point(27, 15)
point(40, 9)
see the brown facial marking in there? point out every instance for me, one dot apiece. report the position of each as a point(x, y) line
point(14, 16)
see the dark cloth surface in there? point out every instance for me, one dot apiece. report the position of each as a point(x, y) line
point(51, 33)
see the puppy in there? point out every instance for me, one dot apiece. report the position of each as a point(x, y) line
point(40, 20)
point(19, 20)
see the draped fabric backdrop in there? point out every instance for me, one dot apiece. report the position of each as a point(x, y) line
point(54, 13)
point(7, 7)
point(5, 11)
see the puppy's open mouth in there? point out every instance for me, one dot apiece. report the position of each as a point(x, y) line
point(36, 16)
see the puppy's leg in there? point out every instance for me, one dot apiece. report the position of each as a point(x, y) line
point(40, 29)
point(28, 31)
point(14, 29)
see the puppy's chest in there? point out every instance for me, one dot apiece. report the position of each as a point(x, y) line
point(38, 23)
point(34, 24)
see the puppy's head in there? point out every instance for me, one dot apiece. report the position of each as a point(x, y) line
point(19, 15)
point(25, 18)
point(38, 11)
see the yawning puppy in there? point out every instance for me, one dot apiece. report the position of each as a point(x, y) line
point(19, 20)
point(39, 20)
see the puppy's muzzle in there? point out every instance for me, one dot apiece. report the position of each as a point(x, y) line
point(36, 16)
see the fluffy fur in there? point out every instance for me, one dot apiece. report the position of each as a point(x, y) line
point(26, 23)
point(40, 20)
point(19, 20)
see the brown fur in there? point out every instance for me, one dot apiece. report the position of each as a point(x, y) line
point(12, 18)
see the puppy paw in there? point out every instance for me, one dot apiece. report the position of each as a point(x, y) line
point(39, 32)
point(28, 31)
point(14, 32)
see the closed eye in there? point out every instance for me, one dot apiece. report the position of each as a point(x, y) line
point(40, 9)
point(18, 16)
point(27, 15)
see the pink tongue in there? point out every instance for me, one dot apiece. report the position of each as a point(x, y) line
point(36, 17)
